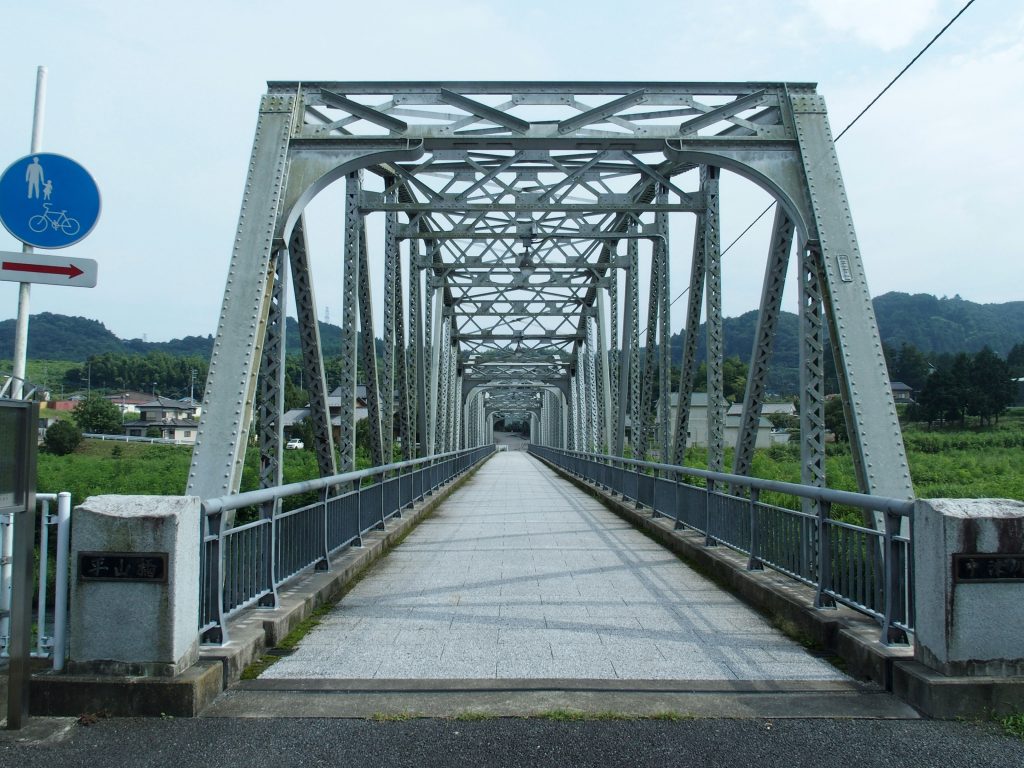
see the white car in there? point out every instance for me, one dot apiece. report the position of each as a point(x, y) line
point(294, 445)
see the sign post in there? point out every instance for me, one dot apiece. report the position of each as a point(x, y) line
point(47, 201)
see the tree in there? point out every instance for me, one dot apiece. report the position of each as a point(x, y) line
point(991, 386)
point(835, 419)
point(98, 415)
point(62, 437)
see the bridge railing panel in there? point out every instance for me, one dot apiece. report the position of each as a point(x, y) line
point(865, 569)
point(244, 565)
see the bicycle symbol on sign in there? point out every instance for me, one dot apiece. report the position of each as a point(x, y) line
point(59, 220)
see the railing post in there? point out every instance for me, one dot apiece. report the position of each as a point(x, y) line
point(268, 511)
point(709, 540)
point(60, 602)
point(754, 563)
point(821, 599)
point(44, 557)
point(890, 634)
point(324, 563)
point(213, 525)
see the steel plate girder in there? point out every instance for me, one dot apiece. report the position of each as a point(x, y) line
point(219, 453)
point(879, 455)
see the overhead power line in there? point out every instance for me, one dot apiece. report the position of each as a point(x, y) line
point(849, 125)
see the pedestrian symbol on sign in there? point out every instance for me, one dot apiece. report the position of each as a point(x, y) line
point(34, 175)
point(48, 200)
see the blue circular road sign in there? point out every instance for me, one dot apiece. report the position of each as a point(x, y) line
point(48, 200)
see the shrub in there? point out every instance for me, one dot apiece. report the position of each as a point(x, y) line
point(62, 437)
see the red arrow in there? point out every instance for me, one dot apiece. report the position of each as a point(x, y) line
point(71, 270)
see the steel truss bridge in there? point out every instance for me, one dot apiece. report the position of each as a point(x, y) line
point(523, 225)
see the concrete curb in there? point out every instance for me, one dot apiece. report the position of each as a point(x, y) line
point(252, 632)
point(850, 636)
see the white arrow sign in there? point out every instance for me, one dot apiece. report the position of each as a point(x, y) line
point(53, 270)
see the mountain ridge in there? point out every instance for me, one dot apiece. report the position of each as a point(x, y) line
point(932, 324)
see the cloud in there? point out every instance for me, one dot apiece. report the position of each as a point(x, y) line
point(882, 24)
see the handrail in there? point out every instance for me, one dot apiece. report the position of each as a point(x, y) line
point(867, 569)
point(902, 507)
point(245, 565)
point(266, 495)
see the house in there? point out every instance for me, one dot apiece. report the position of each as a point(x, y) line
point(767, 409)
point(697, 427)
point(901, 393)
point(174, 419)
point(128, 402)
point(293, 417)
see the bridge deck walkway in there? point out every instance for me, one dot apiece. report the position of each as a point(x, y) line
point(521, 575)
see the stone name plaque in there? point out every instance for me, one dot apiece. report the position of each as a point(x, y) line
point(987, 568)
point(123, 566)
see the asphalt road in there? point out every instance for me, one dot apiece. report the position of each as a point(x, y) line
point(508, 742)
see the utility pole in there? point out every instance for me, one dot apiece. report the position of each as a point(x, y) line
point(25, 289)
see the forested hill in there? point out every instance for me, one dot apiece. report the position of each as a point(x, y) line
point(933, 325)
point(62, 337)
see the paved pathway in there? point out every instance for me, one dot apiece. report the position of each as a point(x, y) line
point(521, 575)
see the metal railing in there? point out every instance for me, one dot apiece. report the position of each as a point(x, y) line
point(244, 565)
point(865, 569)
point(47, 645)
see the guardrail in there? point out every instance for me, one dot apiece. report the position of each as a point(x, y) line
point(865, 569)
point(245, 565)
point(138, 439)
point(46, 645)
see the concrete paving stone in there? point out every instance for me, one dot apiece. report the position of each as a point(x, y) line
point(519, 575)
point(637, 668)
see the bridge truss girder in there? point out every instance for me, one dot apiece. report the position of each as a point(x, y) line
point(525, 223)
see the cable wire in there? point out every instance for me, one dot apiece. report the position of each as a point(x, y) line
point(849, 125)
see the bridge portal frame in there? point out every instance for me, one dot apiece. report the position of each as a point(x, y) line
point(569, 172)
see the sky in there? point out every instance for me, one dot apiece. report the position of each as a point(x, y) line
point(159, 101)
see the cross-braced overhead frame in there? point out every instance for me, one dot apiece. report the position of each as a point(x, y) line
point(524, 225)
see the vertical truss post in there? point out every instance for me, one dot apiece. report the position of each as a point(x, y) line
point(405, 378)
point(368, 364)
point(444, 383)
point(595, 421)
point(349, 326)
point(312, 356)
point(613, 353)
point(453, 389)
point(695, 295)
point(665, 342)
point(876, 440)
point(457, 439)
point(392, 292)
point(812, 396)
point(627, 352)
point(219, 454)
point(418, 404)
point(633, 289)
point(764, 339)
point(271, 403)
point(812, 374)
point(433, 322)
point(650, 356)
point(715, 341)
point(605, 360)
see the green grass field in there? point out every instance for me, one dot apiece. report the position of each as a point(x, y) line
point(944, 463)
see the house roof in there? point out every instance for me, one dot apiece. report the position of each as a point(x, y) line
point(785, 408)
point(899, 386)
point(168, 403)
